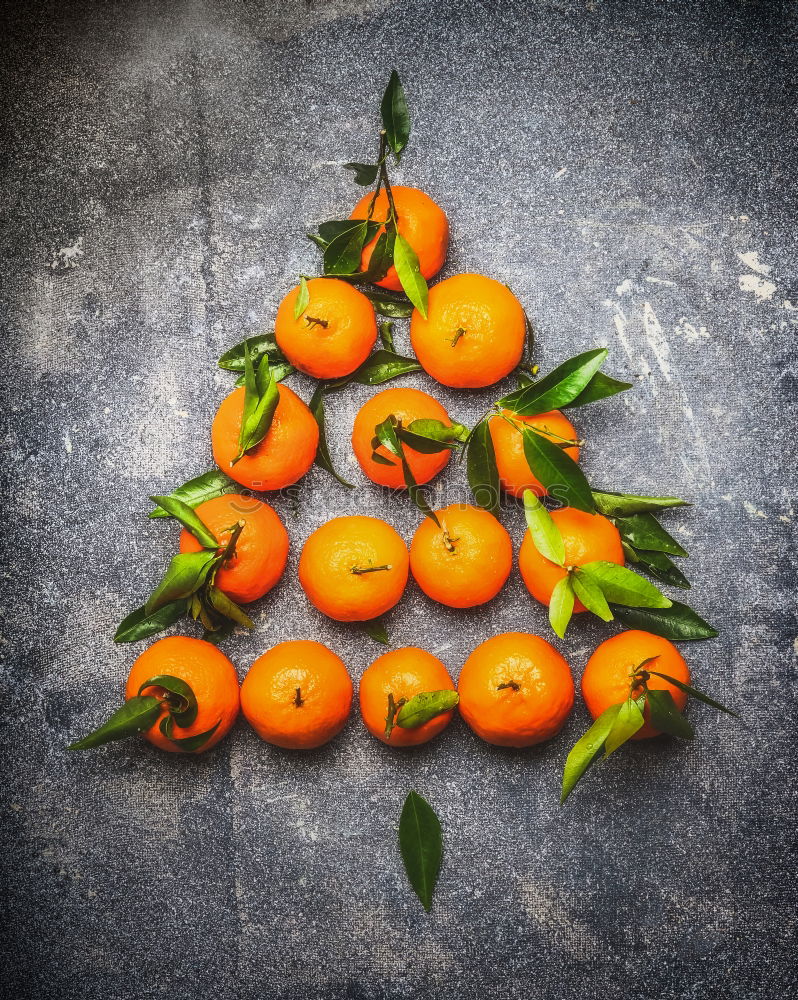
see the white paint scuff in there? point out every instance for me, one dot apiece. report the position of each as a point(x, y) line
point(752, 261)
point(657, 341)
point(761, 287)
point(67, 257)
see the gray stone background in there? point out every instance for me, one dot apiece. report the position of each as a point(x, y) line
point(629, 168)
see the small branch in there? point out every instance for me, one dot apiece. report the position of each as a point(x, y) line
point(509, 684)
point(360, 570)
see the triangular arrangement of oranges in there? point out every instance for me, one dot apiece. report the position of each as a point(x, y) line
point(468, 331)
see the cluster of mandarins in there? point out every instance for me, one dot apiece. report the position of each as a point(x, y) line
point(515, 689)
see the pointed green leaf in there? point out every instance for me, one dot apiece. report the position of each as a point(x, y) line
point(591, 595)
point(601, 386)
point(678, 622)
point(545, 533)
point(386, 336)
point(425, 706)
point(303, 297)
point(323, 459)
point(694, 692)
point(665, 716)
point(220, 602)
point(561, 605)
point(186, 574)
point(218, 635)
point(342, 256)
point(409, 271)
point(483, 473)
point(196, 491)
point(644, 531)
point(627, 722)
point(388, 305)
point(430, 436)
point(140, 624)
point(190, 520)
point(383, 365)
point(622, 504)
point(260, 404)
point(556, 471)
point(421, 844)
point(135, 716)
point(188, 744)
point(658, 565)
point(381, 256)
point(375, 629)
point(586, 750)
point(558, 388)
point(623, 586)
point(233, 360)
point(365, 173)
point(395, 115)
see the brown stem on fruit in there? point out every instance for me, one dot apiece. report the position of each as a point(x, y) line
point(448, 541)
point(360, 570)
point(313, 321)
point(509, 684)
point(230, 549)
point(299, 701)
point(459, 333)
point(393, 711)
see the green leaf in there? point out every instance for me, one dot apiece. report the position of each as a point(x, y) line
point(342, 256)
point(196, 491)
point(556, 471)
point(586, 750)
point(386, 336)
point(622, 504)
point(381, 256)
point(694, 692)
point(381, 366)
point(323, 459)
point(386, 434)
point(186, 574)
point(658, 565)
point(218, 635)
point(591, 595)
point(421, 844)
point(561, 605)
point(188, 744)
point(558, 388)
point(260, 403)
point(135, 716)
point(601, 386)
point(375, 629)
point(483, 473)
point(185, 709)
point(395, 116)
point(678, 622)
point(623, 586)
point(220, 602)
point(627, 722)
point(189, 519)
point(365, 173)
point(329, 231)
point(409, 271)
point(545, 533)
point(233, 360)
point(644, 531)
point(431, 436)
point(303, 297)
point(140, 624)
point(665, 716)
point(425, 706)
point(388, 305)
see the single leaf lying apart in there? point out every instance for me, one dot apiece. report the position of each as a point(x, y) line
point(196, 491)
point(323, 460)
point(395, 115)
point(421, 846)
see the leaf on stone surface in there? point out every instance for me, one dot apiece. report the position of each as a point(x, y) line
point(323, 459)
point(187, 516)
point(365, 173)
point(623, 586)
point(694, 692)
point(421, 846)
point(196, 491)
point(141, 624)
point(557, 389)
point(623, 504)
point(135, 716)
point(601, 386)
point(644, 531)
point(586, 750)
point(395, 115)
point(665, 716)
point(678, 622)
point(483, 473)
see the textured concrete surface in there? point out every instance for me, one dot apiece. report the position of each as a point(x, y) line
point(629, 169)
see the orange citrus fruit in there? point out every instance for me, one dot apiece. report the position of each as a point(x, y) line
point(609, 671)
point(261, 550)
point(406, 405)
point(334, 334)
point(474, 332)
point(508, 443)
point(400, 675)
point(422, 223)
point(465, 561)
point(515, 690)
point(282, 457)
point(354, 568)
point(586, 537)
point(209, 674)
point(297, 695)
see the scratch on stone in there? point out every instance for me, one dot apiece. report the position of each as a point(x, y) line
point(656, 341)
